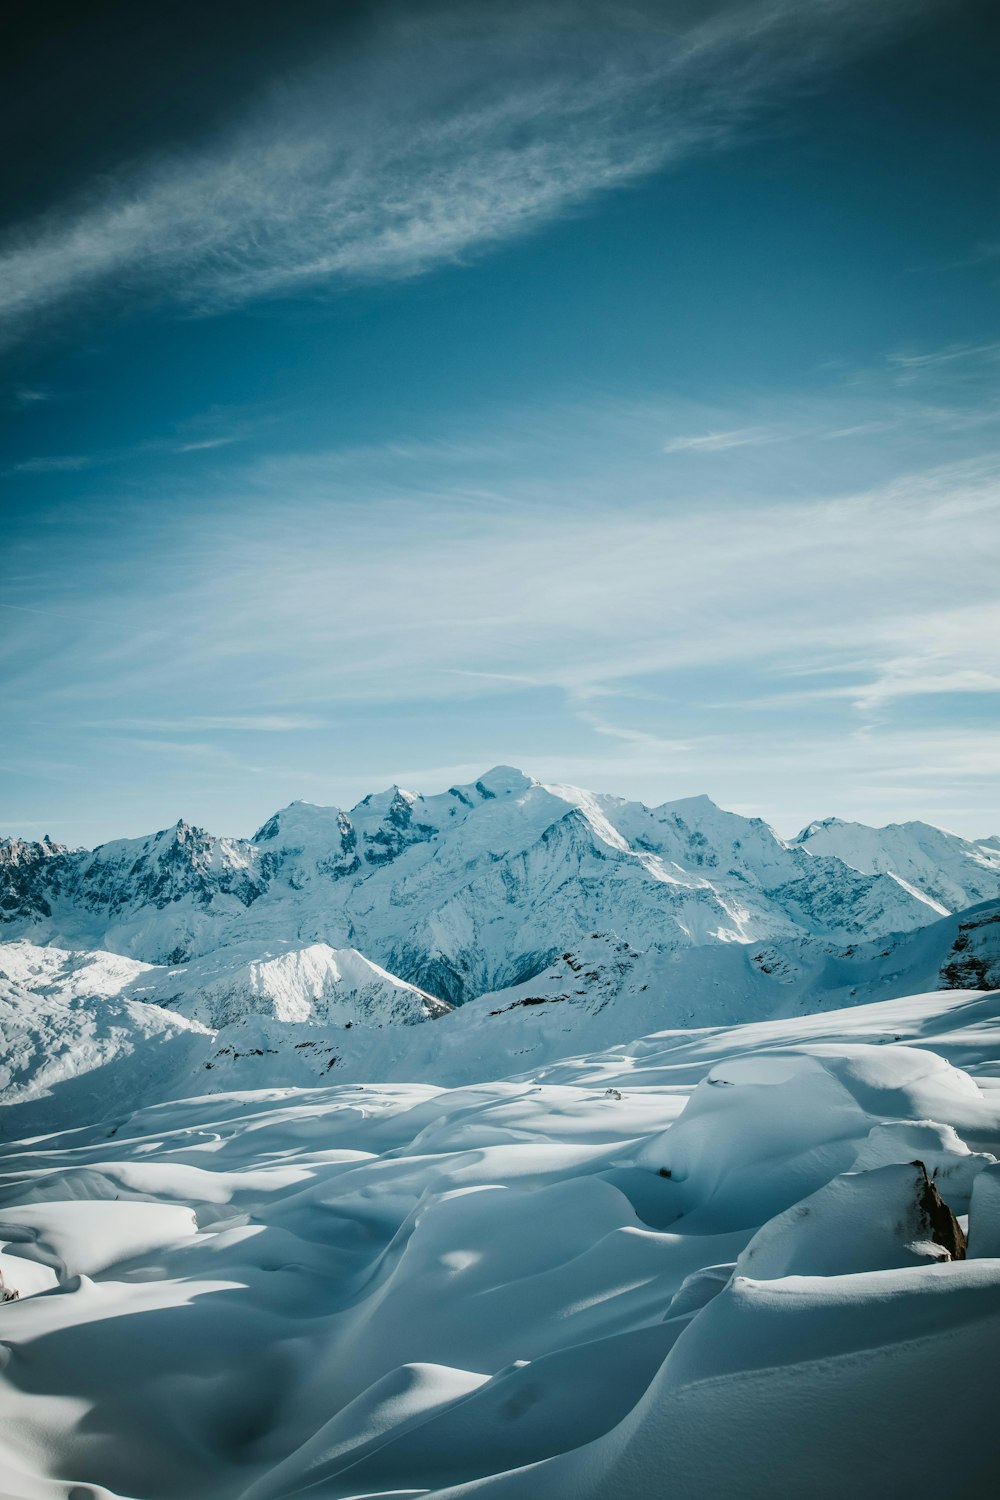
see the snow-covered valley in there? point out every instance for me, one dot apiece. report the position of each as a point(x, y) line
point(684, 1182)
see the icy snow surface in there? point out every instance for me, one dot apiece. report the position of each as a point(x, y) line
point(694, 1264)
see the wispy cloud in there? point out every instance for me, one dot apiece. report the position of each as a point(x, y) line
point(446, 136)
point(74, 463)
point(952, 354)
point(200, 723)
point(360, 593)
point(206, 443)
point(718, 442)
point(60, 463)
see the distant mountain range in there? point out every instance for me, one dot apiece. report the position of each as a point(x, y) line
point(484, 887)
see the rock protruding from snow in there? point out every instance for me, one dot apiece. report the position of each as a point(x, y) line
point(947, 1160)
point(973, 961)
point(860, 1221)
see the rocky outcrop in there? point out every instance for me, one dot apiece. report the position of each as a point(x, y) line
point(943, 1228)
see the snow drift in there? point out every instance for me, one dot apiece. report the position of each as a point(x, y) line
point(699, 1263)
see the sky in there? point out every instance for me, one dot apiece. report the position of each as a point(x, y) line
point(607, 389)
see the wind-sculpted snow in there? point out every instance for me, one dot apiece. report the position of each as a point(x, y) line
point(701, 1263)
point(478, 889)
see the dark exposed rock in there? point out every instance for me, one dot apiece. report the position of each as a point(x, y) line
point(974, 960)
point(398, 832)
point(944, 1229)
point(117, 878)
point(31, 874)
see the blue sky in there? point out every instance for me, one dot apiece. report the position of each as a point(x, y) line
point(608, 390)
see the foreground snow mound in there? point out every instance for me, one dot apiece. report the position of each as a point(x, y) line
point(872, 1385)
point(860, 1221)
point(761, 1132)
point(702, 1263)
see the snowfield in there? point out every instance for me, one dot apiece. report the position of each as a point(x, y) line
point(706, 1262)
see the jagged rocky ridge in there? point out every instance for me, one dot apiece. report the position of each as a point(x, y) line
point(484, 886)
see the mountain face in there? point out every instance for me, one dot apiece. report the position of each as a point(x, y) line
point(484, 886)
point(946, 869)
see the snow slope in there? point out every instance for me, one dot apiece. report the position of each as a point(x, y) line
point(68, 1057)
point(667, 1205)
point(699, 1263)
point(315, 984)
point(469, 892)
point(943, 867)
point(292, 1016)
point(77, 1028)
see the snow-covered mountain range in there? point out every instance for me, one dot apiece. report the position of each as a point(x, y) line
point(554, 918)
point(943, 867)
point(83, 1034)
point(486, 885)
